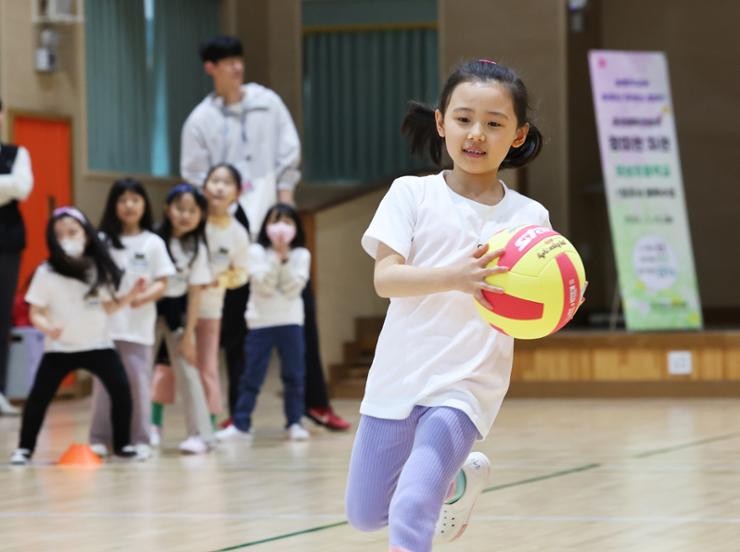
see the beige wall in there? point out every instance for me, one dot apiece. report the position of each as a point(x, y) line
point(344, 273)
point(530, 36)
point(272, 34)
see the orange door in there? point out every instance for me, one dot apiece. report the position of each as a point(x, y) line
point(49, 141)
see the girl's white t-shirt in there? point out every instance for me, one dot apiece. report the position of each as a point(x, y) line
point(196, 273)
point(227, 248)
point(276, 287)
point(83, 320)
point(143, 256)
point(435, 350)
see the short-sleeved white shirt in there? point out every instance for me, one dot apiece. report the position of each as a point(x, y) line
point(143, 256)
point(196, 274)
point(227, 248)
point(83, 320)
point(435, 350)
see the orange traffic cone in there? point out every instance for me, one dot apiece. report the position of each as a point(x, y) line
point(81, 456)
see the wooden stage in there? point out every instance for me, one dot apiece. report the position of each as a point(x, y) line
point(624, 364)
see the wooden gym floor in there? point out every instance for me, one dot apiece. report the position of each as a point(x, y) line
point(568, 475)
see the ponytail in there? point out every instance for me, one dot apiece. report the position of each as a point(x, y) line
point(420, 127)
point(518, 157)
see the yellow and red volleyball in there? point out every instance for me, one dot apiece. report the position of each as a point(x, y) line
point(543, 286)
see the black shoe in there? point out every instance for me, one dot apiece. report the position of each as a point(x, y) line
point(129, 451)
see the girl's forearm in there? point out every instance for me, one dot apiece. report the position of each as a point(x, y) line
point(153, 293)
point(191, 317)
point(401, 280)
point(40, 321)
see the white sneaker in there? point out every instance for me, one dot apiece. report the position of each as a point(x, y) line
point(155, 435)
point(453, 519)
point(20, 457)
point(234, 434)
point(194, 445)
point(7, 409)
point(99, 449)
point(296, 432)
point(143, 451)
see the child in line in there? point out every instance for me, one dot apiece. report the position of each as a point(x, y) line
point(126, 228)
point(279, 265)
point(227, 250)
point(440, 372)
point(183, 231)
point(71, 296)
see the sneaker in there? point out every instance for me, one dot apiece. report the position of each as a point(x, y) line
point(326, 417)
point(234, 434)
point(99, 449)
point(453, 519)
point(155, 435)
point(20, 457)
point(127, 452)
point(143, 451)
point(194, 445)
point(296, 432)
point(7, 409)
point(225, 423)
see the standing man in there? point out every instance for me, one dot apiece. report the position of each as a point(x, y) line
point(249, 126)
point(16, 181)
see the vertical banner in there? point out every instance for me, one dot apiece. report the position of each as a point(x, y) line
point(644, 188)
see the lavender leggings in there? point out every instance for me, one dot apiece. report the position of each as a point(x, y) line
point(401, 471)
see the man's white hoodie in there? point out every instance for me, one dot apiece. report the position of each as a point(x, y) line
point(256, 135)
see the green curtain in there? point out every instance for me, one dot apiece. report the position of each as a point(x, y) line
point(179, 81)
point(143, 78)
point(356, 89)
point(118, 107)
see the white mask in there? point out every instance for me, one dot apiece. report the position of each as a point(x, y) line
point(73, 248)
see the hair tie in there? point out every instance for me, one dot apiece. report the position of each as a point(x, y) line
point(70, 212)
point(182, 188)
point(482, 60)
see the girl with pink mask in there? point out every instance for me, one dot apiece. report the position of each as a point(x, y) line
point(279, 266)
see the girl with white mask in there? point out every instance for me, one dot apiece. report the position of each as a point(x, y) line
point(71, 296)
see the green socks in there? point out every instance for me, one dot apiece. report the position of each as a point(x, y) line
point(214, 421)
point(460, 482)
point(157, 414)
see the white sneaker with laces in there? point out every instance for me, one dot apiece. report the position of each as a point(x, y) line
point(20, 457)
point(194, 445)
point(155, 435)
point(453, 519)
point(99, 449)
point(296, 432)
point(233, 434)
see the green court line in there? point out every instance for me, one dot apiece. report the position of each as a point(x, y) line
point(686, 445)
point(283, 536)
point(561, 473)
point(339, 524)
point(553, 475)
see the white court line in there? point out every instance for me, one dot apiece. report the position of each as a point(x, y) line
point(168, 515)
point(669, 520)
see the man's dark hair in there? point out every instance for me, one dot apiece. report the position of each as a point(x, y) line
point(1, 104)
point(220, 47)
